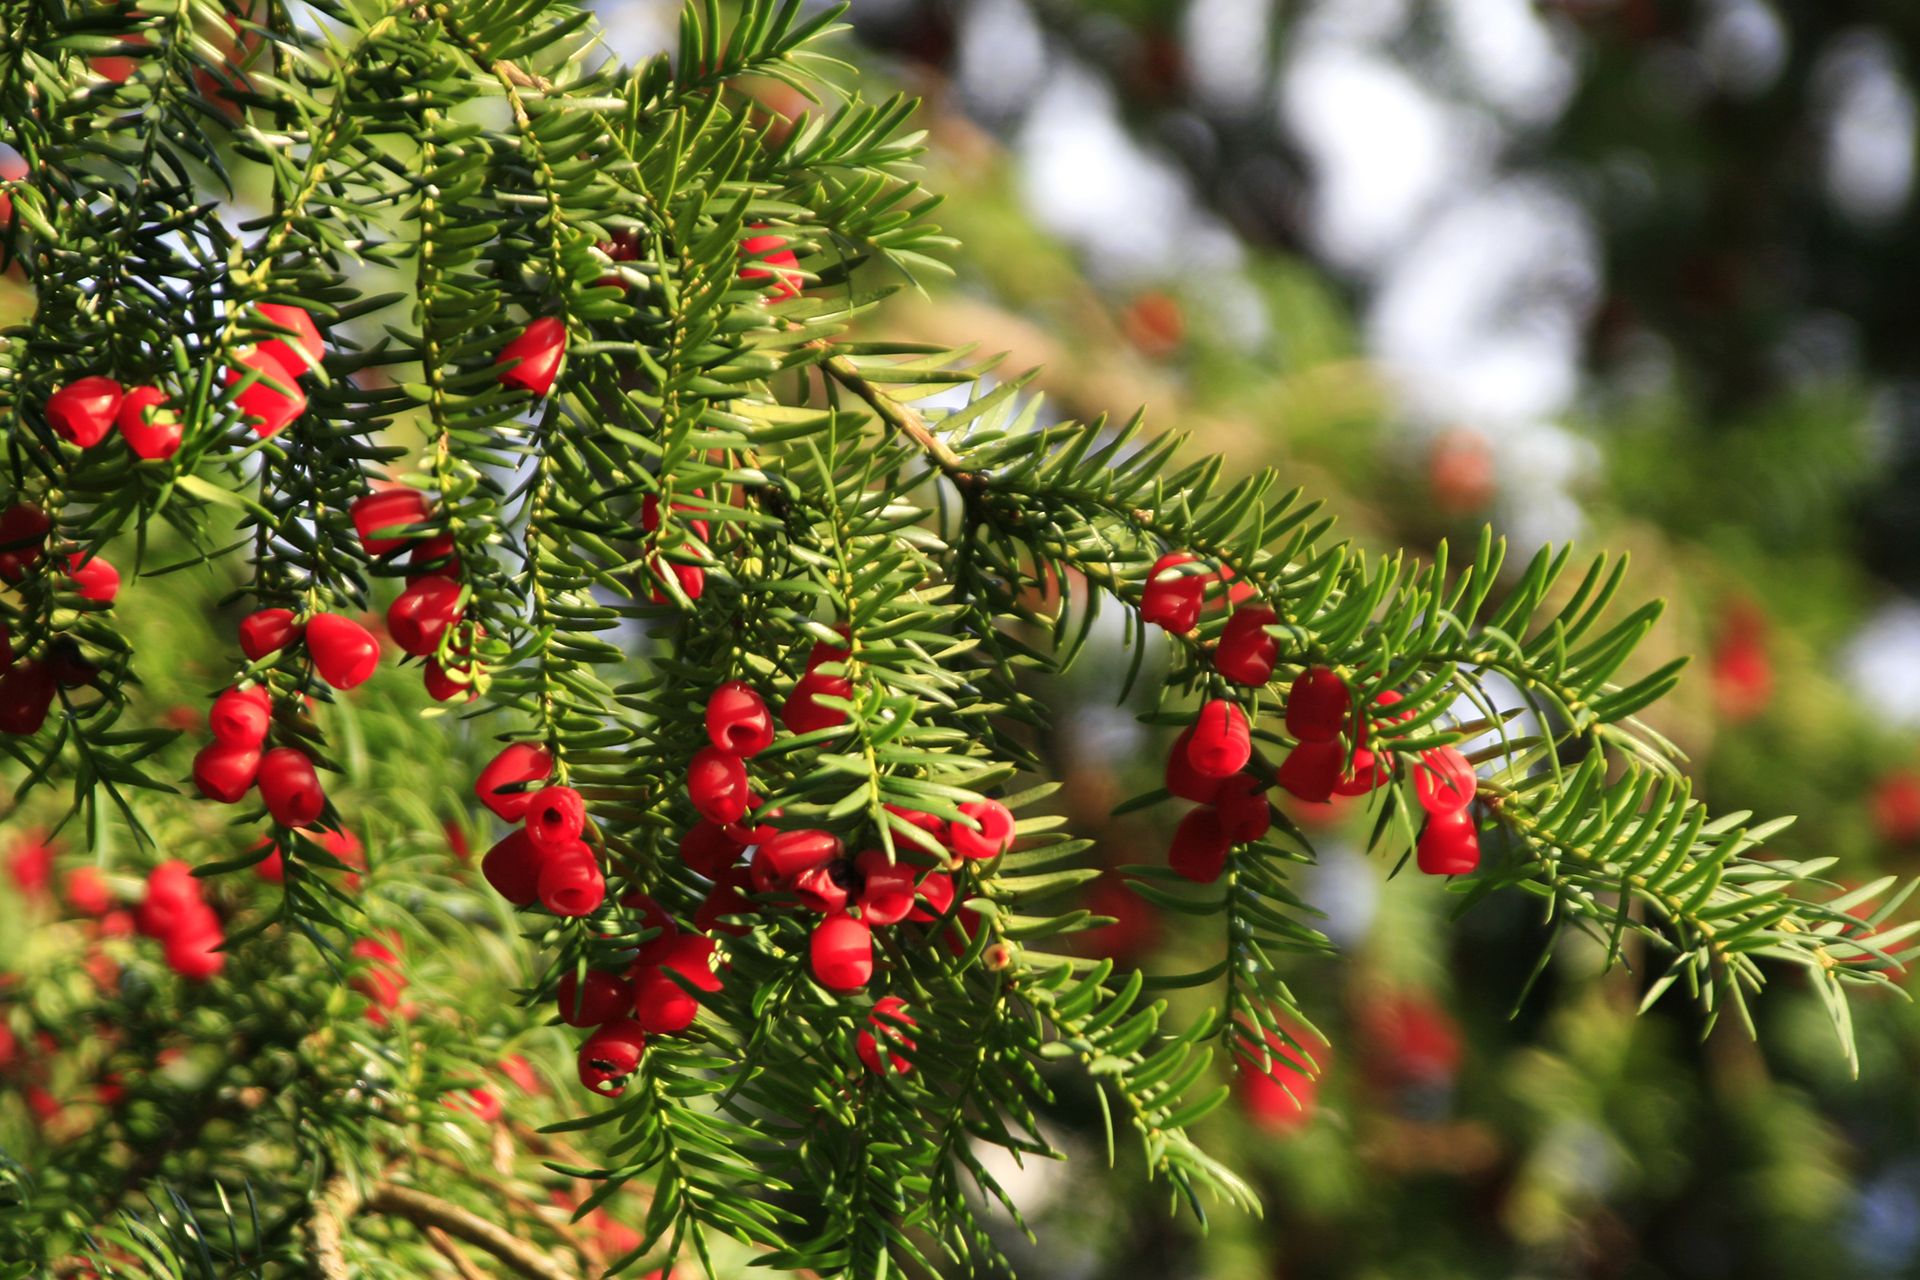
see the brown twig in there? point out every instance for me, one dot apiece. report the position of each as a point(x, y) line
point(444, 1245)
point(426, 1211)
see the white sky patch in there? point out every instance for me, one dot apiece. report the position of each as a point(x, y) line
point(1744, 45)
point(1127, 210)
point(1002, 57)
point(1227, 45)
point(1882, 662)
point(635, 30)
point(1515, 61)
point(1870, 128)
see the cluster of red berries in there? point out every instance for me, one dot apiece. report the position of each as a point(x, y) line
point(1208, 761)
point(271, 370)
point(85, 410)
point(434, 602)
point(803, 711)
point(28, 685)
point(545, 860)
point(174, 913)
point(380, 978)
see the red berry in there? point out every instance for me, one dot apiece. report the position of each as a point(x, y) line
point(726, 898)
point(531, 361)
point(1443, 780)
point(824, 652)
point(383, 518)
point(825, 889)
point(273, 867)
point(770, 259)
point(1244, 811)
point(887, 888)
point(86, 891)
point(1317, 705)
point(290, 787)
point(93, 577)
point(26, 695)
point(910, 821)
point(482, 1102)
point(422, 614)
point(994, 833)
point(82, 412)
point(571, 883)
point(171, 896)
point(195, 955)
point(443, 684)
point(225, 773)
point(650, 515)
point(663, 1005)
point(1172, 599)
point(555, 818)
point(738, 721)
point(602, 997)
point(708, 849)
point(302, 350)
point(1200, 845)
point(241, 716)
point(841, 953)
point(1450, 845)
point(517, 765)
point(273, 398)
point(434, 555)
point(1368, 771)
point(784, 858)
point(610, 1055)
point(23, 539)
point(805, 713)
point(717, 785)
point(1183, 781)
point(512, 867)
point(1222, 743)
point(267, 631)
point(1312, 770)
point(380, 980)
point(936, 890)
point(1246, 653)
point(151, 428)
point(889, 1019)
point(344, 652)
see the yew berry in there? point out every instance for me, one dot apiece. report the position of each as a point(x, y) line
point(824, 652)
point(1317, 705)
point(481, 1101)
point(1450, 844)
point(1172, 599)
point(26, 695)
point(610, 1055)
point(922, 830)
point(770, 259)
point(691, 577)
point(1222, 743)
point(738, 721)
point(446, 683)
point(661, 1003)
point(1183, 781)
point(503, 785)
point(267, 631)
point(601, 997)
point(152, 429)
point(841, 953)
point(512, 867)
point(171, 896)
point(650, 515)
point(746, 836)
point(82, 412)
point(708, 849)
point(989, 835)
point(434, 555)
point(1244, 811)
point(273, 398)
point(786, 856)
point(85, 890)
point(1246, 652)
point(1368, 771)
point(1312, 770)
point(571, 883)
point(717, 785)
point(805, 713)
point(886, 888)
point(1443, 780)
point(384, 518)
point(936, 890)
point(531, 361)
point(380, 980)
point(889, 1019)
point(422, 614)
point(303, 348)
point(93, 578)
point(290, 787)
point(23, 539)
point(1200, 845)
point(225, 773)
point(344, 652)
point(826, 889)
point(241, 716)
point(195, 954)
point(555, 817)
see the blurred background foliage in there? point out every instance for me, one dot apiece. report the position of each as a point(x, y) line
point(1635, 273)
